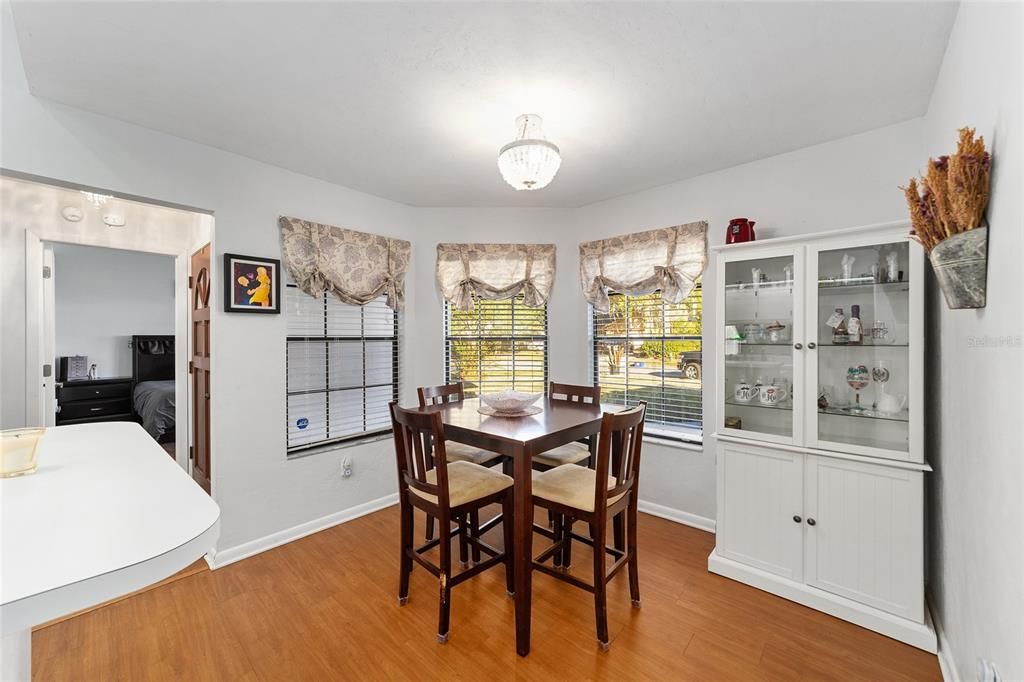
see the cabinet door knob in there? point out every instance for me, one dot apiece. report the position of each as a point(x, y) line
point(798, 346)
point(797, 519)
point(812, 345)
point(811, 522)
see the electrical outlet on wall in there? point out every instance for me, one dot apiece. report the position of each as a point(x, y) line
point(987, 671)
point(346, 467)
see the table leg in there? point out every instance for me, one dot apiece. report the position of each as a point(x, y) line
point(523, 552)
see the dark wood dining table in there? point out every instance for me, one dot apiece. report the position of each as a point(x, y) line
point(560, 422)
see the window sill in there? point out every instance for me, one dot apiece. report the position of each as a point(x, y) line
point(655, 439)
point(342, 445)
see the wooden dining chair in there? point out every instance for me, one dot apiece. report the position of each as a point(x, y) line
point(572, 453)
point(458, 452)
point(438, 395)
point(448, 491)
point(595, 496)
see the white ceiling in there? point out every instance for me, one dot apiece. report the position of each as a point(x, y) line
point(412, 101)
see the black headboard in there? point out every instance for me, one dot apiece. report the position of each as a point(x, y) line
point(152, 358)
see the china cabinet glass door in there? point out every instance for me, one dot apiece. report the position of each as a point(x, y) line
point(761, 296)
point(859, 315)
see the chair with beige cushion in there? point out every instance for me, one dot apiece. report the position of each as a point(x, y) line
point(595, 496)
point(438, 395)
point(450, 492)
point(457, 452)
point(573, 453)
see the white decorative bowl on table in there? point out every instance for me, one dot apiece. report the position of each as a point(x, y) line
point(510, 403)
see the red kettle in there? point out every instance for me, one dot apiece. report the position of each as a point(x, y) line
point(740, 230)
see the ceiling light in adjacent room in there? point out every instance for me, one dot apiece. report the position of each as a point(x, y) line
point(529, 162)
point(96, 200)
point(72, 214)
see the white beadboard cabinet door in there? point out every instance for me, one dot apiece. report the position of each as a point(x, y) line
point(760, 508)
point(864, 534)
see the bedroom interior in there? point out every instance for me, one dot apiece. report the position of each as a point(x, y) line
point(123, 336)
point(110, 307)
point(754, 263)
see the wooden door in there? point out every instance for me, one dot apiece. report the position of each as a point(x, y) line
point(760, 518)
point(864, 534)
point(200, 284)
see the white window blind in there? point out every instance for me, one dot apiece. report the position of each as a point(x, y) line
point(342, 368)
point(647, 349)
point(496, 346)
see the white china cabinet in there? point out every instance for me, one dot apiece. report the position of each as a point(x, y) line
point(820, 459)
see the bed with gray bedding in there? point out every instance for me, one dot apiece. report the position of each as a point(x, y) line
point(153, 376)
point(154, 403)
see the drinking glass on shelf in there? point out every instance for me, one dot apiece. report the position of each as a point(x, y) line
point(847, 264)
point(858, 379)
point(880, 333)
point(880, 375)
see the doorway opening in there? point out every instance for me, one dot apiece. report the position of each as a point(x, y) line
point(110, 312)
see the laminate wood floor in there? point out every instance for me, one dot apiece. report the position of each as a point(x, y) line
point(325, 608)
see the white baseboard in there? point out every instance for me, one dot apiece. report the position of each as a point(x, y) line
point(677, 515)
point(947, 664)
point(223, 557)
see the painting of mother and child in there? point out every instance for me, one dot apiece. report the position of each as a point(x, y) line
point(251, 285)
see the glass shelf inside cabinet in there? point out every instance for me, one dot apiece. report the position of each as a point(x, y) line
point(863, 336)
point(758, 340)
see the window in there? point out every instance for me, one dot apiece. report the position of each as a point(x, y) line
point(646, 349)
point(498, 345)
point(342, 368)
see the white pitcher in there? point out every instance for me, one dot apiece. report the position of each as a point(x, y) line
point(890, 404)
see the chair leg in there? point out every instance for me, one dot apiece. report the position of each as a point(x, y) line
point(507, 512)
point(567, 524)
point(444, 612)
point(429, 535)
point(558, 531)
point(463, 545)
point(474, 531)
point(551, 519)
point(619, 531)
point(631, 565)
point(405, 560)
point(600, 589)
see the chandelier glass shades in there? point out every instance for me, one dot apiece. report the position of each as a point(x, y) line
point(530, 161)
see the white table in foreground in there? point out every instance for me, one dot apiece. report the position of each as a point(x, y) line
point(106, 513)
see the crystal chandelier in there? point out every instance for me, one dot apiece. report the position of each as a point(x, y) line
point(530, 161)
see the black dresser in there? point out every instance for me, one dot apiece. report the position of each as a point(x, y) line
point(94, 400)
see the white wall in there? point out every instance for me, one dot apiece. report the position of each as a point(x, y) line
point(844, 183)
point(104, 296)
point(977, 364)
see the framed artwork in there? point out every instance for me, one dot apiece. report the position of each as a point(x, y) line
point(251, 285)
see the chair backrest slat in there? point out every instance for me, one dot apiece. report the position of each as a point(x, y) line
point(414, 433)
point(437, 395)
point(618, 453)
point(575, 394)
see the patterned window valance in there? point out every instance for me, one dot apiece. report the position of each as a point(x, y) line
point(670, 259)
point(495, 271)
point(357, 267)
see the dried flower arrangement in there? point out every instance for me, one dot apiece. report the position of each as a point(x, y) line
point(954, 193)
